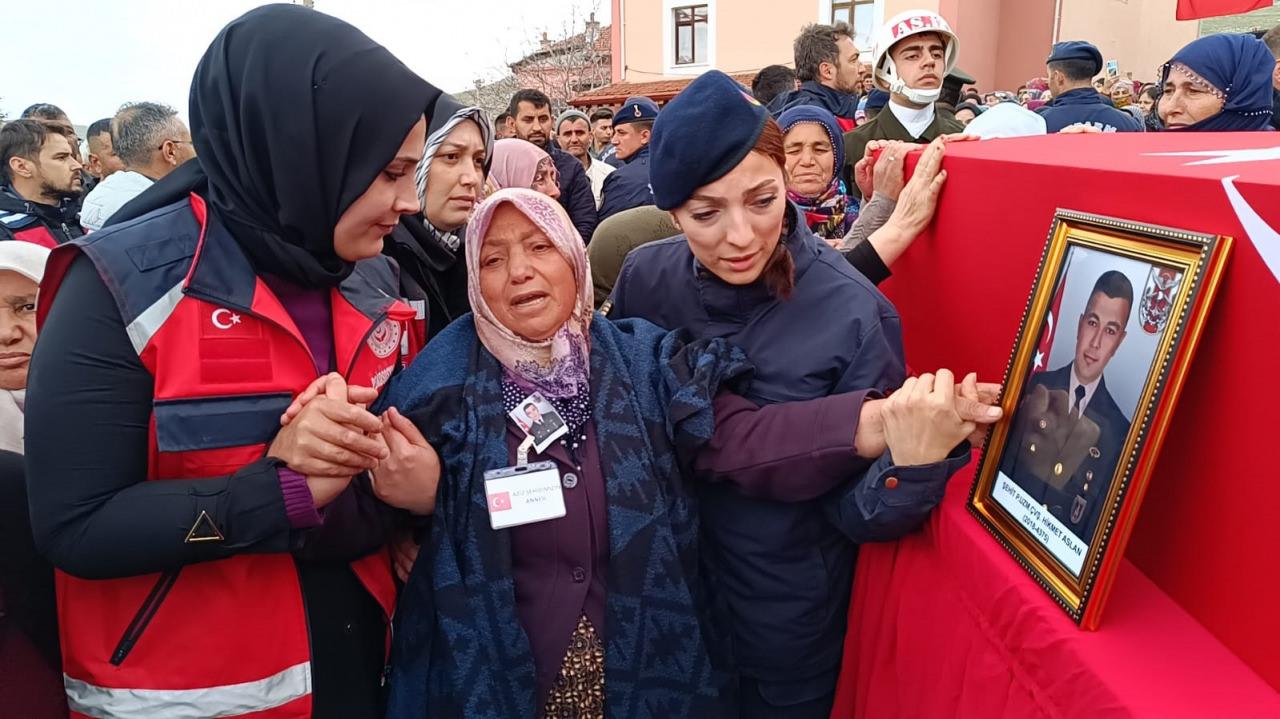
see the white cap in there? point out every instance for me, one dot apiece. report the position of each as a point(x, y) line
point(1007, 119)
point(25, 258)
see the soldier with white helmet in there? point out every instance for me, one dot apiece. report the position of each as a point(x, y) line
point(913, 52)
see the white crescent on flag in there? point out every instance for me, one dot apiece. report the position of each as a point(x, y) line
point(1264, 238)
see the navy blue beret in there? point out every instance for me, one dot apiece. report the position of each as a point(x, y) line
point(701, 136)
point(877, 98)
point(1076, 50)
point(636, 109)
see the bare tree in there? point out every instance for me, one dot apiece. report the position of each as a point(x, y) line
point(490, 96)
point(570, 63)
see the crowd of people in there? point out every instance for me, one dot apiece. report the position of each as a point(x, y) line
point(559, 396)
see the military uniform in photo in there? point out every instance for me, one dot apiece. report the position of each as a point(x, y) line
point(1063, 457)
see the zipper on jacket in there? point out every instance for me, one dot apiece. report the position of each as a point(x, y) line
point(145, 614)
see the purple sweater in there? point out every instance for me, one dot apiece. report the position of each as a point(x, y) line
point(310, 311)
point(786, 452)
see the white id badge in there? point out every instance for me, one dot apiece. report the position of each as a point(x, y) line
point(523, 495)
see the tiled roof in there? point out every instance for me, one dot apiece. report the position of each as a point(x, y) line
point(659, 91)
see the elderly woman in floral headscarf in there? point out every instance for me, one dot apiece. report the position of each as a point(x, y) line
point(564, 616)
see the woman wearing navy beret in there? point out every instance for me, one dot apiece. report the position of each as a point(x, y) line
point(748, 269)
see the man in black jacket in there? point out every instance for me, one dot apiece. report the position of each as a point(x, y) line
point(530, 112)
point(827, 67)
point(41, 182)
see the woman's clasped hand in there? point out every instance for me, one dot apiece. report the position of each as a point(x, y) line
point(328, 435)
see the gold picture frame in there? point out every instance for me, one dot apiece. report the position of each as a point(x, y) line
point(1062, 476)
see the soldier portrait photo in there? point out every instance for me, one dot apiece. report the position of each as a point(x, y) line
point(1068, 434)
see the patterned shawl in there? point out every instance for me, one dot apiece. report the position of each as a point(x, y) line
point(832, 213)
point(460, 650)
point(557, 366)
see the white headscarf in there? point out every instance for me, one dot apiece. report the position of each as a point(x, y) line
point(27, 260)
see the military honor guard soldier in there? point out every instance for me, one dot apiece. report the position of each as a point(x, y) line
point(1069, 433)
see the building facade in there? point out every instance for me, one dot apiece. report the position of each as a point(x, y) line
point(1003, 43)
point(565, 68)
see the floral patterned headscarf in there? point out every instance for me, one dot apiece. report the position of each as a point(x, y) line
point(557, 367)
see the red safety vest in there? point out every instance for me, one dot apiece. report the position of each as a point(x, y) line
point(223, 638)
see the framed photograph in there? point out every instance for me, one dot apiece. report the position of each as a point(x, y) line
point(1113, 319)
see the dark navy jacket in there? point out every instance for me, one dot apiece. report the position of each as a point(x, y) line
point(628, 187)
point(841, 104)
point(575, 191)
point(1085, 106)
point(786, 570)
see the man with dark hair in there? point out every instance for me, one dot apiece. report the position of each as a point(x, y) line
point(629, 186)
point(830, 76)
point(54, 114)
point(530, 112)
point(152, 141)
point(540, 427)
point(502, 128)
point(602, 137)
point(1069, 433)
point(773, 81)
point(914, 51)
point(1072, 65)
point(40, 190)
point(103, 160)
point(45, 111)
point(1271, 39)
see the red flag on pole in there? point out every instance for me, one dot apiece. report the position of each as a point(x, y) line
point(1196, 9)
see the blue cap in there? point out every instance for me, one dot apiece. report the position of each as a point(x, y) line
point(877, 99)
point(701, 136)
point(636, 109)
point(1077, 50)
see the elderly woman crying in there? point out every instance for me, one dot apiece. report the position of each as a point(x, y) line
point(564, 575)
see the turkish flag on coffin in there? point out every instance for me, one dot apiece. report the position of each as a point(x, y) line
point(1195, 9)
point(1209, 516)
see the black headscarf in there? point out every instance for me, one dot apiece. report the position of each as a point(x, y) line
point(293, 114)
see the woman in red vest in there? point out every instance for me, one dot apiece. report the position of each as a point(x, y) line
point(212, 563)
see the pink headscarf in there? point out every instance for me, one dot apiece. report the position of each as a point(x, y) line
point(515, 163)
point(557, 366)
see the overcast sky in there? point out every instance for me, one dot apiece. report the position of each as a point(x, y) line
point(127, 50)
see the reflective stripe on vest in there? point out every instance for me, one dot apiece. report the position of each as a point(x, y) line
point(225, 358)
point(142, 329)
point(225, 701)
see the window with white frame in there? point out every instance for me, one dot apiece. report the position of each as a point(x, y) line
point(861, 16)
point(690, 35)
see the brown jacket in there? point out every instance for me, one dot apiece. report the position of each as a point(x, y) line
point(885, 126)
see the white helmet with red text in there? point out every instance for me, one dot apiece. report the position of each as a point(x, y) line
point(898, 28)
